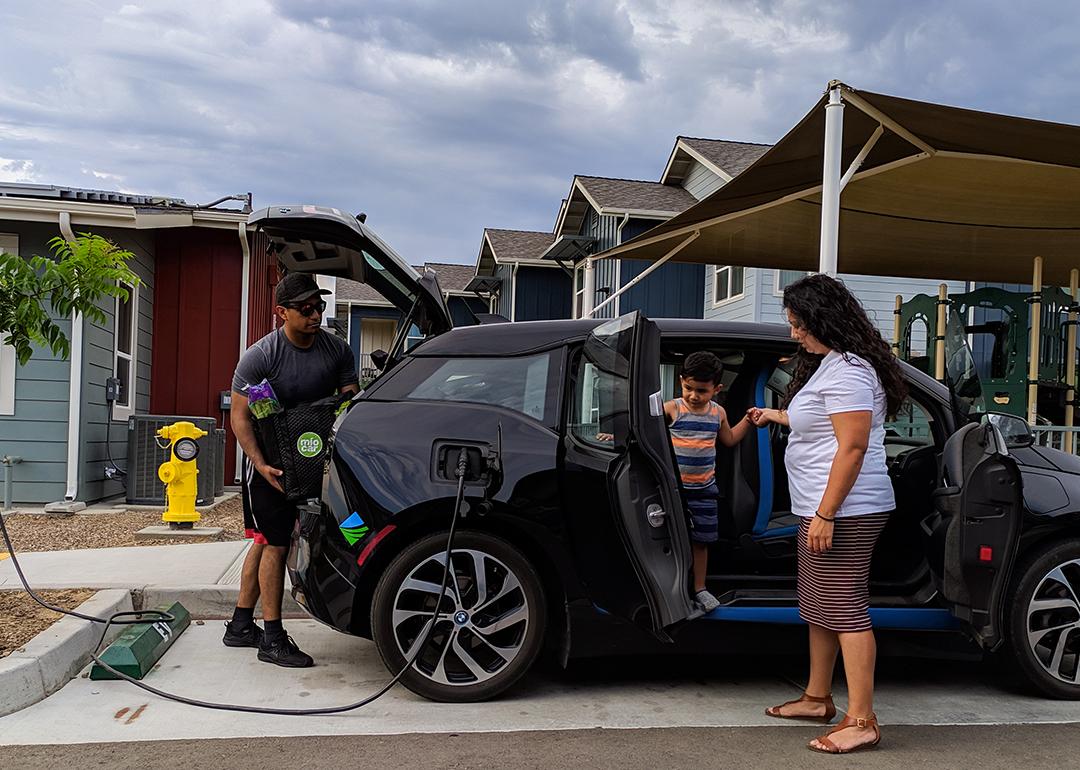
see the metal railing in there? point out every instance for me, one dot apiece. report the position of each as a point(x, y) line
point(1053, 436)
point(367, 369)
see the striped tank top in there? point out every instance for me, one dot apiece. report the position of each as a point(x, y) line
point(693, 436)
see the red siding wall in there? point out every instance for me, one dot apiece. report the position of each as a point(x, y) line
point(264, 277)
point(196, 325)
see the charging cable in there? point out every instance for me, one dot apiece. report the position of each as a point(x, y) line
point(130, 618)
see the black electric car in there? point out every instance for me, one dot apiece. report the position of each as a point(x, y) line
point(580, 544)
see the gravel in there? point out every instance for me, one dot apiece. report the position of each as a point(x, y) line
point(21, 618)
point(34, 532)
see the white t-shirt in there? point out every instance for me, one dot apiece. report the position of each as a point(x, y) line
point(841, 384)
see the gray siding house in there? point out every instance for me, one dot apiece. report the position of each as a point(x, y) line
point(518, 283)
point(733, 293)
point(53, 412)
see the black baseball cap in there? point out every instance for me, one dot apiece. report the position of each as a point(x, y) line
point(296, 287)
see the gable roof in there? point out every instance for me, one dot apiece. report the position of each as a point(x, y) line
point(724, 158)
point(503, 246)
point(609, 195)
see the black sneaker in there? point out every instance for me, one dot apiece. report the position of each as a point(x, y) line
point(249, 635)
point(284, 652)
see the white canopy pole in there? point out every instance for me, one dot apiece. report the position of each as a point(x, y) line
point(644, 273)
point(830, 181)
point(589, 298)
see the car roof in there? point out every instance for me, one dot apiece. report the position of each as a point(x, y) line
point(507, 339)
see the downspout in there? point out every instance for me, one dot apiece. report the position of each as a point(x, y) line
point(618, 262)
point(513, 291)
point(74, 433)
point(245, 313)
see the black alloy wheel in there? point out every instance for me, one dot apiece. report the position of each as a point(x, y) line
point(490, 624)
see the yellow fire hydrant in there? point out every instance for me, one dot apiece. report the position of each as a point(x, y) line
point(180, 474)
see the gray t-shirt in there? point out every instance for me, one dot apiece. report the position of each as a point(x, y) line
point(298, 375)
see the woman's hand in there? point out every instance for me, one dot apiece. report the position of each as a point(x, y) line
point(762, 417)
point(819, 536)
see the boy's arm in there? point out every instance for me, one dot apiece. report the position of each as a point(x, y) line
point(730, 435)
point(669, 412)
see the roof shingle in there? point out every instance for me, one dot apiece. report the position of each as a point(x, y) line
point(733, 157)
point(452, 277)
point(516, 245)
point(636, 194)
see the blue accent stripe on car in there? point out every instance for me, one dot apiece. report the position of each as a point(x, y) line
point(910, 618)
point(765, 461)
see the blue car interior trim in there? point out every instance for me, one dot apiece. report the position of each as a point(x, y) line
point(765, 462)
point(910, 618)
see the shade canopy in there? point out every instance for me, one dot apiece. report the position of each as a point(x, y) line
point(943, 193)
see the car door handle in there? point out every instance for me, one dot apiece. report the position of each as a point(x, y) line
point(655, 514)
point(656, 404)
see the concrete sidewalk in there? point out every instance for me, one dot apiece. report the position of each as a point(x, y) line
point(205, 577)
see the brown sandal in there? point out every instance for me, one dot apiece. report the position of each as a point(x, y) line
point(846, 722)
point(830, 709)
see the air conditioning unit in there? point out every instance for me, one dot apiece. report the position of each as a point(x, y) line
point(146, 454)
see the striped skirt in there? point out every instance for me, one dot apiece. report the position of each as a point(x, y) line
point(834, 587)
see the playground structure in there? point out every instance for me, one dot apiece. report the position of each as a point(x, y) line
point(1026, 341)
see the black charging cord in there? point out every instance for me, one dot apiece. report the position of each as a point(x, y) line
point(129, 618)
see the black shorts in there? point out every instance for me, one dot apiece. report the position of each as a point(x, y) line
point(268, 517)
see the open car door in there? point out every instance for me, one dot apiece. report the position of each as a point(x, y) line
point(328, 241)
point(975, 528)
point(624, 353)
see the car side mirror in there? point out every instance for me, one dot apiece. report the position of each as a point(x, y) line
point(1015, 430)
point(378, 357)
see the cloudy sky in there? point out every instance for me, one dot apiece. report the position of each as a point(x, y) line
point(441, 118)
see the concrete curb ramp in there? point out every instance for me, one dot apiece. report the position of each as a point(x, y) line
point(53, 657)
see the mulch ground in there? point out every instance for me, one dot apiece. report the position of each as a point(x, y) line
point(33, 532)
point(21, 618)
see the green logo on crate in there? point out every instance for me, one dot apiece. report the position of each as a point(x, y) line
point(309, 444)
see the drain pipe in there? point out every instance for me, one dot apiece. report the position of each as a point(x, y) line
point(245, 313)
point(8, 461)
point(74, 384)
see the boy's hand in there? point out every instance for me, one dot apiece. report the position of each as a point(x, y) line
point(757, 416)
point(605, 437)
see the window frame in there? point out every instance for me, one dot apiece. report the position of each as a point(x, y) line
point(9, 244)
point(778, 290)
point(121, 412)
point(731, 297)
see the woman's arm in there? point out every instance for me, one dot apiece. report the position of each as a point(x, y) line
point(852, 431)
point(762, 417)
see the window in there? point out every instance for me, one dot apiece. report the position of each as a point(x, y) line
point(911, 427)
point(9, 244)
point(522, 384)
point(125, 338)
point(785, 278)
point(600, 413)
point(342, 317)
point(728, 283)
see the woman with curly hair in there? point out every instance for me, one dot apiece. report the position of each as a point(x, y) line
point(846, 381)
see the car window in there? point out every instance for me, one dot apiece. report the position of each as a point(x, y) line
point(518, 383)
point(600, 405)
point(911, 427)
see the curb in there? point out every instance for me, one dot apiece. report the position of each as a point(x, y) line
point(56, 655)
point(208, 602)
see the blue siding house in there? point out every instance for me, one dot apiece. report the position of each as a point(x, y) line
point(518, 283)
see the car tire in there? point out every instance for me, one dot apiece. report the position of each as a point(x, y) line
point(1044, 620)
point(488, 634)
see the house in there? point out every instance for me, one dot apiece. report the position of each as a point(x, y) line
point(733, 293)
point(519, 283)
point(205, 294)
point(370, 323)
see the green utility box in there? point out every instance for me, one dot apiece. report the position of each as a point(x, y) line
point(141, 646)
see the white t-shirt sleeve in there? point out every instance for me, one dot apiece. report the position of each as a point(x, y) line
point(850, 388)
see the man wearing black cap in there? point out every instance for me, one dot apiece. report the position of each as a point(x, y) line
point(303, 363)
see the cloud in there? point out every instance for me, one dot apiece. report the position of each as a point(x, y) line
point(441, 119)
point(17, 171)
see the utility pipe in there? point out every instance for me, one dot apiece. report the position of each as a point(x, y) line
point(830, 182)
point(1036, 334)
point(8, 461)
point(245, 314)
point(75, 377)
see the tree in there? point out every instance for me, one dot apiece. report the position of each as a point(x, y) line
point(73, 280)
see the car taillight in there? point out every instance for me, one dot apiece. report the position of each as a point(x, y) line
point(374, 541)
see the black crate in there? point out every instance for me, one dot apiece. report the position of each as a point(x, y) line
point(287, 440)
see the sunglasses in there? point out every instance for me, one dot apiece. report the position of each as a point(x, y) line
point(307, 308)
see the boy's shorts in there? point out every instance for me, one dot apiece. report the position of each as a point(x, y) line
point(702, 504)
point(268, 517)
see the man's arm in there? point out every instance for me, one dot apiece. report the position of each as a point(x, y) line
point(241, 422)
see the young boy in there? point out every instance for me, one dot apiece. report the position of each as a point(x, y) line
point(697, 423)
